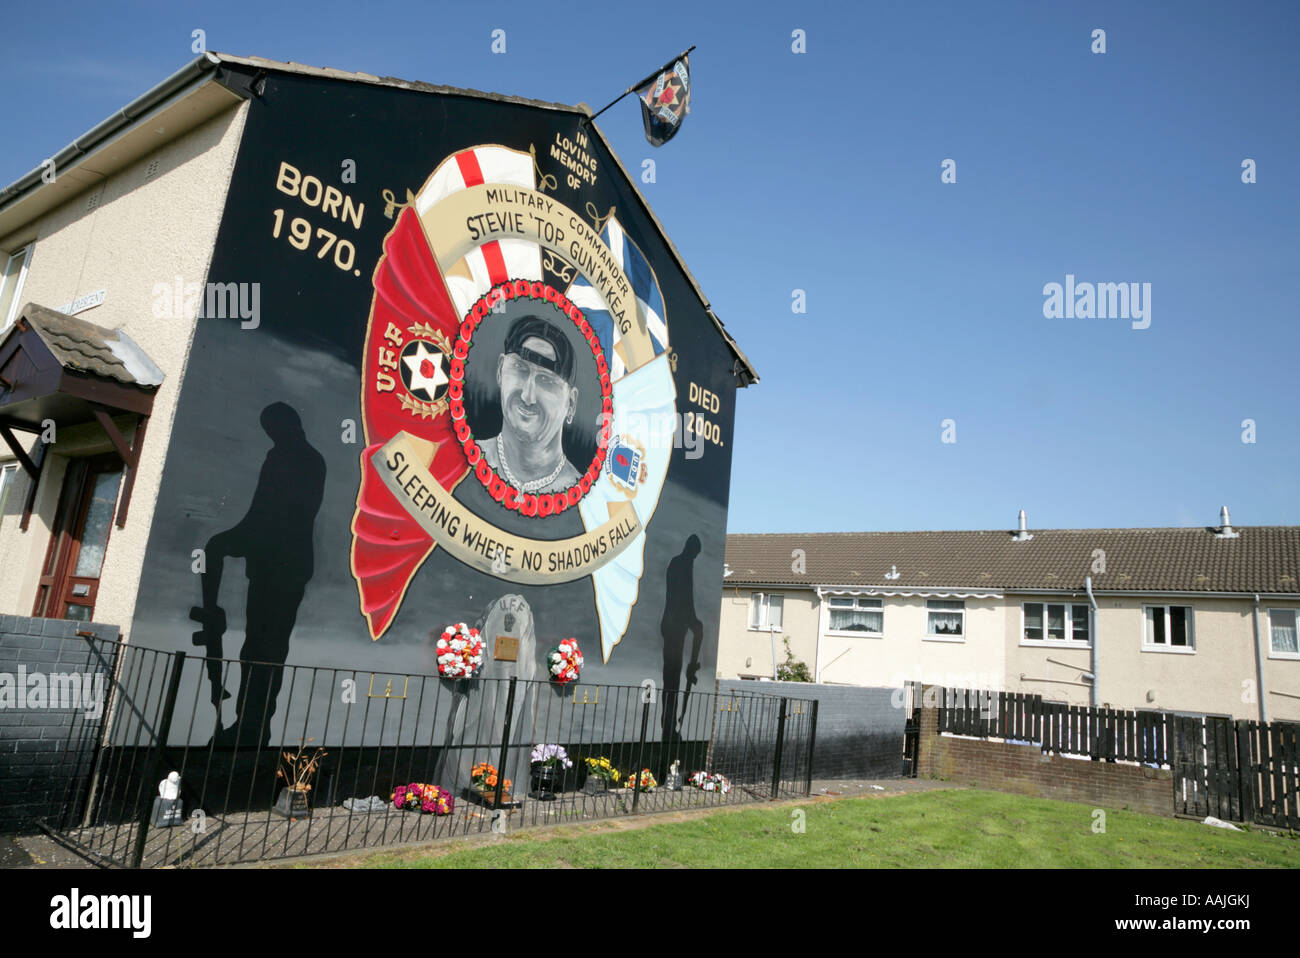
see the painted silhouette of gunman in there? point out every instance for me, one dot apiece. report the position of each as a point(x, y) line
point(678, 619)
point(275, 541)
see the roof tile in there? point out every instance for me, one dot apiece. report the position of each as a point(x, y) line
point(1263, 559)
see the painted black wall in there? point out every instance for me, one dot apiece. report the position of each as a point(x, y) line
point(307, 353)
point(859, 730)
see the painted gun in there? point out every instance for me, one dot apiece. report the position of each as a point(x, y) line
point(213, 620)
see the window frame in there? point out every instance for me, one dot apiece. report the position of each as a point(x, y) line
point(1274, 653)
point(1067, 643)
point(764, 601)
point(931, 636)
point(15, 304)
point(1168, 646)
point(8, 478)
point(855, 599)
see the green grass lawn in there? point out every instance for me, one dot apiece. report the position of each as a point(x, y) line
point(938, 829)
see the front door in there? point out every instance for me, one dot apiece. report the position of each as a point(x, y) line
point(69, 581)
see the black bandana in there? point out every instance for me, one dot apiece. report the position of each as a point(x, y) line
point(527, 327)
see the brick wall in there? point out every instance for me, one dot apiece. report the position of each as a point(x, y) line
point(859, 730)
point(46, 748)
point(1026, 770)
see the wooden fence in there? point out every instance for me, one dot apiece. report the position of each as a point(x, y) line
point(1236, 770)
point(1109, 735)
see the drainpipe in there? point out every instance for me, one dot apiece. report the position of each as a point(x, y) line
point(1259, 666)
point(817, 650)
point(1092, 632)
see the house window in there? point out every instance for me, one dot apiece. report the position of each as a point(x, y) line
point(69, 582)
point(1055, 622)
point(1282, 632)
point(8, 475)
point(11, 283)
point(862, 616)
point(1169, 627)
point(946, 619)
point(765, 611)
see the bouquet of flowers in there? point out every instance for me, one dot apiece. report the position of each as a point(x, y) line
point(424, 798)
point(553, 755)
point(601, 768)
point(460, 652)
point(565, 661)
point(484, 777)
point(710, 782)
point(641, 783)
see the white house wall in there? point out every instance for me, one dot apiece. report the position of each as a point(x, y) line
point(145, 230)
point(1219, 676)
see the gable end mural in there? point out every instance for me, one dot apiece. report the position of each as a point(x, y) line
point(446, 361)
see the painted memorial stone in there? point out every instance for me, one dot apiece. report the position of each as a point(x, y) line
point(478, 709)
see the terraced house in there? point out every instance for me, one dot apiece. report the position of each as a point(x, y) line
point(1184, 619)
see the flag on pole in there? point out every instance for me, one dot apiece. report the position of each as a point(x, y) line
point(665, 101)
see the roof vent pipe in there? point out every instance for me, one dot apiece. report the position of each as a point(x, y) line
point(1225, 525)
point(1023, 535)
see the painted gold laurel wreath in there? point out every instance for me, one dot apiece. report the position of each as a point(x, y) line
point(427, 410)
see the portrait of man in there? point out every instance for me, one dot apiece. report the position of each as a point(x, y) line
point(535, 375)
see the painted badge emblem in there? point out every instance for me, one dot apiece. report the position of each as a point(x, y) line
point(625, 464)
point(423, 367)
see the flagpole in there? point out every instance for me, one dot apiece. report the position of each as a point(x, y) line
point(640, 83)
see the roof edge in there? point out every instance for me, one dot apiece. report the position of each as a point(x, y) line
point(419, 86)
point(1008, 590)
point(32, 180)
point(996, 532)
point(208, 62)
point(746, 374)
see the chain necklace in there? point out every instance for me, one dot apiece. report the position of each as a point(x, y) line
point(533, 484)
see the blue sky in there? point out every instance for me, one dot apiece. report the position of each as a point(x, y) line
point(821, 171)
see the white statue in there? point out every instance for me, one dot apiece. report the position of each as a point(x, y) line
point(170, 787)
point(674, 782)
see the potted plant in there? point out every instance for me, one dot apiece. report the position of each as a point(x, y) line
point(297, 769)
point(601, 775)
point(485, 778)
point(548, 764)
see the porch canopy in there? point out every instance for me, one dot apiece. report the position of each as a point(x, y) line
point(61, 369)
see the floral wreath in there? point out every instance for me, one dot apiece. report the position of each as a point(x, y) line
point(424, 798)
point(565, 661)
point(710, 782)
point(460, 652)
